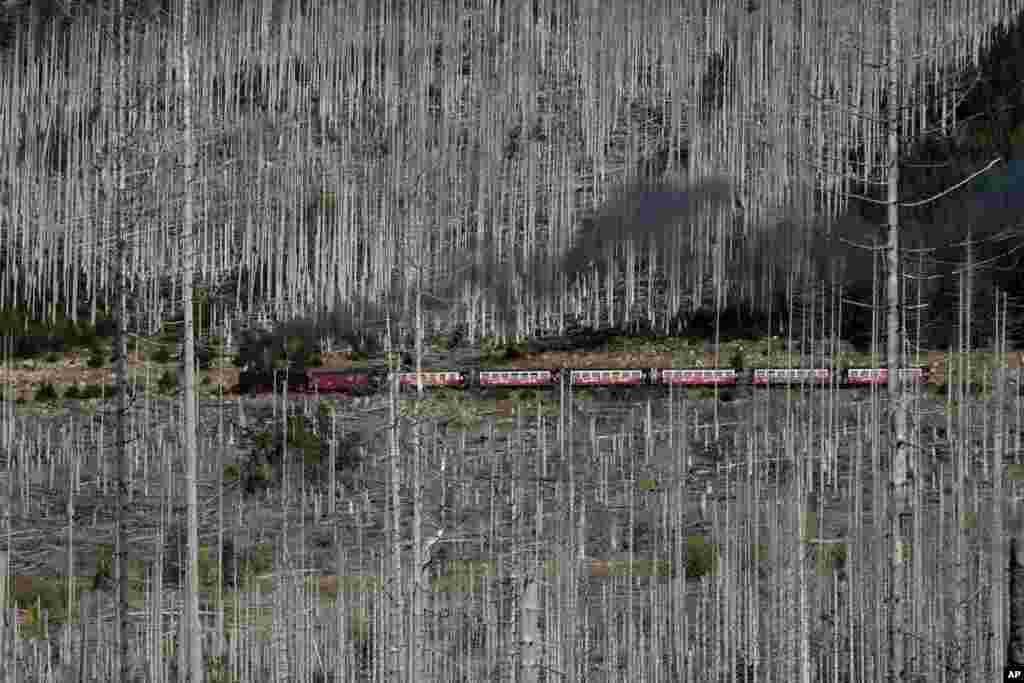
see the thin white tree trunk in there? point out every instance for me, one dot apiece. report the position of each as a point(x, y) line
point(901, 511)
point(397, 661)
point(998, 558)
point(416, 653)
point(121, 355)
point(529, 627)
point(190, 438)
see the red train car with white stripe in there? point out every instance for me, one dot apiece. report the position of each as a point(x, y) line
point(445, 378)
point(694, 376)
point(607, 377)
point(880, 376)
point(517, 378)
point(769, 376)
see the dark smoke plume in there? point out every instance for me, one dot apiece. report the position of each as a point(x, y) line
point(648, 213)
point(652, 214)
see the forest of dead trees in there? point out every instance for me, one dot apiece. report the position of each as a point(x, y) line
point(508, 167)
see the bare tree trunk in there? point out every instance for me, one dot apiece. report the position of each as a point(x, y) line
point(901, 512)
point(529, 630)
point(397, 658)
point(998, 559)
point(191, 446)
point(415, 666)
point(121, 354)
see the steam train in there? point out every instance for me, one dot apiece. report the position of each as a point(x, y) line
point(366, 381)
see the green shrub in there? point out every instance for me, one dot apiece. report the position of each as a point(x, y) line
point(684, 346)
point(264, 472)
point(758, 552)
point(97, 358)
point(325, 409)
point(170, 334)
point(168, 382)
point(494, 351)
point(260, 466)
point(969, 520)
point(106, 326)
point(260, 558)
point(218, 670)
point(52, 358)
point(161, 355)
point(92, 391)
point(82, 335)
point(216, 347)
point(829, 558)
point(72, 392)
point(700, 393)
point(32, 336)
point(46, 392)
point(104, 575)
point(48, 593)
point(295, 345)
point(736, 361)
point(701, 557)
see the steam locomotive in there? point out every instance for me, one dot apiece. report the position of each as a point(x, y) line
point(370, 381)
